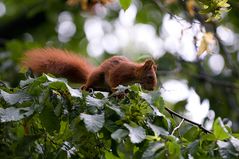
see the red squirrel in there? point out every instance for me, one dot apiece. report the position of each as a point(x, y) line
point(117, 70)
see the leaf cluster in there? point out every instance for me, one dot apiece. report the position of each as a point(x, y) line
point(45, 118)
point(214, 8)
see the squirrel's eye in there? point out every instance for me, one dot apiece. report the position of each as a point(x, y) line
point(150, 77)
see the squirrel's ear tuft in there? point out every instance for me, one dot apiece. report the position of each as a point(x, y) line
point(148, 64)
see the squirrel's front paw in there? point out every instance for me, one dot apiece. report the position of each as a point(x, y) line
point(83, 88)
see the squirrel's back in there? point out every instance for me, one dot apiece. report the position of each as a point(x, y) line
point(58, 62)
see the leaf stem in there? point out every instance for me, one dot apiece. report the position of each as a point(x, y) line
point(177, 127)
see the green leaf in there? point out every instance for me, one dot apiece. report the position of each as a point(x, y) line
point(158, 130)
point(91, 101)
point(26, 82)
point(174, 150)
point(64, 131)
point(74, 92)
point(137, 134)
point(119, 135)
point(152, 99)
point(14, 114)
point(125, 4)
point(193, 147)
point(235, 143)
point(93, 123)
point(191, 134)
point(227, 150)
point(116, 109)
point(110, 126)
point(146, 97)
point(59, 83)
point(158, 100)
point(135, 87)
point(219, 130)
point(109, 155)
point(152, 149)
point(49, 119)
point(33, 86)
point(209, 137)
point(14, 98)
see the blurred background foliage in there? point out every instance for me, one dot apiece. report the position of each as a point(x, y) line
point(172, 31)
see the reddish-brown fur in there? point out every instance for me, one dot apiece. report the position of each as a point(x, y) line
point(111, 73)
point(58, 62)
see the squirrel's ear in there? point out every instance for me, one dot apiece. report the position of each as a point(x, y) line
point(148, 64)
point(155, 67)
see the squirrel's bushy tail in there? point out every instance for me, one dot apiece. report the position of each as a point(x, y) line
point(58, 62)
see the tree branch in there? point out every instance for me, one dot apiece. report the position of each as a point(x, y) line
point(190, 121)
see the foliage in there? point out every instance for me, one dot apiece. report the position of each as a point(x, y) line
point(45, 118)
point(214, 8)
point(125, 4)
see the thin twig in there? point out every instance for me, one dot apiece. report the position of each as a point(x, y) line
point(217, 82)
point(165, 10)
point(190, 121)
point(205, 77)
point(177, 127)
